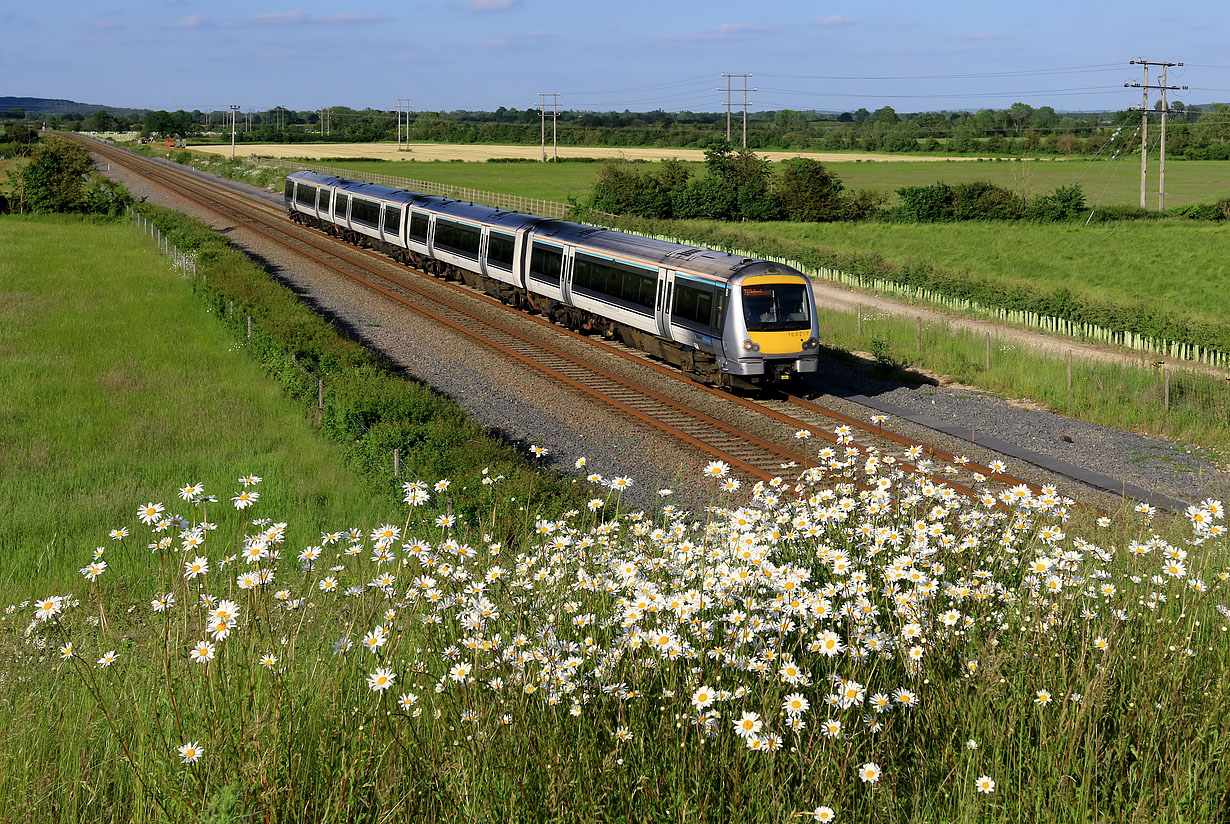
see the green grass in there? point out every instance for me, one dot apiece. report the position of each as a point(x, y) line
point(114, 349)
point(1178, 264)
point(1104, 182)
point(119, 386)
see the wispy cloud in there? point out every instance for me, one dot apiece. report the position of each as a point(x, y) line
point(492, 5)
point(836, 20)
point(193, 21)
point(302, 18)
point(516, 39)
point(726, 31)
point(984, 35)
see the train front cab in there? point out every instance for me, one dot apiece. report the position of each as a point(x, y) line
point(772, 332)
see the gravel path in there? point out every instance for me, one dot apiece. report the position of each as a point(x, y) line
point(526, 408)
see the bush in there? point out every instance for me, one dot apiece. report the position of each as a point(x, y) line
point(926, 204)
point(1065, 203)
point(809, 192)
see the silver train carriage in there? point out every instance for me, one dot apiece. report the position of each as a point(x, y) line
point(724, 319)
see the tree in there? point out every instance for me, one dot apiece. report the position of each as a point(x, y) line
point(807, 191)
point(53, 179)
point(100, 121)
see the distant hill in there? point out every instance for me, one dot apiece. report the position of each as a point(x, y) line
point(46, 105)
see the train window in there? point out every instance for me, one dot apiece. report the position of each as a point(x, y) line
point(629, 286)
point(776, 307)
point(306, 195)
point(340, 204)
point(418, 227)
point(457, 238)
point(500, 250)
point(546, 263)
point(392, 219)
point(323, 203)
point(290, 188)
point(366, 212)
point(693, 304)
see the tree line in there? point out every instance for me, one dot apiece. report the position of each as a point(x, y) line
point(741, 185)
point(1196, 132)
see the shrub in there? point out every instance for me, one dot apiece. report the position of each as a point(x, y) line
point(1065, 203)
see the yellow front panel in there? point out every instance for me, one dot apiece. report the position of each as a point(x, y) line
point(780, 343)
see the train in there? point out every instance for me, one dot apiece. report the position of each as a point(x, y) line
point(723, 319)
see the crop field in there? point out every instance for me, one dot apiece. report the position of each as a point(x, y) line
point(297, 650)
point(1105, 182)
point(482, 152)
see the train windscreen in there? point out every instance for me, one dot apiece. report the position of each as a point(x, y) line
point(776, 307)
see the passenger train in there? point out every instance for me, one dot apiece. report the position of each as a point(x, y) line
point(725, 320)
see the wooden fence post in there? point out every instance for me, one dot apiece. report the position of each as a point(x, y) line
point(397, 463)
point(320, 393)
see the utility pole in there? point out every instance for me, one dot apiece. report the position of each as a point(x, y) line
point(400, 101)
point(728, 93)
point(1144, 124)
point(542, 108)
point(234, 109)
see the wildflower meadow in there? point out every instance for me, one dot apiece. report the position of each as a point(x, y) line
point(848, 642)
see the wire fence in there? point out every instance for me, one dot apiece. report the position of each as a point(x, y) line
point(184, 262)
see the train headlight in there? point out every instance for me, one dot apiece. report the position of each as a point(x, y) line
point(751, 347)
point(810, 343)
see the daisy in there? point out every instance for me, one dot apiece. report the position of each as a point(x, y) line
point(823, 814)
point(49, 607)
point(245, 499)
point(749, 725)
point(795, 704)
point(716, 469)
point(869, 772)
point(203, 652)
point(191, 752)
point(197, 566)
point(407, 701)
point(108, 659)
point(66, 651)
point(703, 697)
point(1043, 697)
point(381, 679)
point(985, 784)
point(150, 513)
point(119, 534)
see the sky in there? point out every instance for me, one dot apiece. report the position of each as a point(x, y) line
point(628, 54)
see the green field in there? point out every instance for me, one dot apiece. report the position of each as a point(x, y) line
point(1104, 182)
point(1182, 264)
point(118, 388)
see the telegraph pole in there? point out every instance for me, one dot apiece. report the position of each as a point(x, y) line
point(1144, 124)
point(542, 108)
point(728, 104)
point(234, 109)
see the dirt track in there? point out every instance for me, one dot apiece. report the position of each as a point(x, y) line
point(444, 151)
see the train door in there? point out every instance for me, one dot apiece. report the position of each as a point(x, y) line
point(484, 242)
point(666, 293)
point(565, 277)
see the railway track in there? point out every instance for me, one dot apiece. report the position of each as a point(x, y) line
point(786, 423)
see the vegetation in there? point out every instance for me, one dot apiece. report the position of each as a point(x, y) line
point(58, 178)
point(1199, 132)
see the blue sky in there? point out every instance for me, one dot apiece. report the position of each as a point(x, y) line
point(633, 54)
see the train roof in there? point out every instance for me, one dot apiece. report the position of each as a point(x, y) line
point(695, 259)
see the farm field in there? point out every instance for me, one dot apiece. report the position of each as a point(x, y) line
point(1105, 182)
point(482, 152)
point(117, 387)
point(1178, 264)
